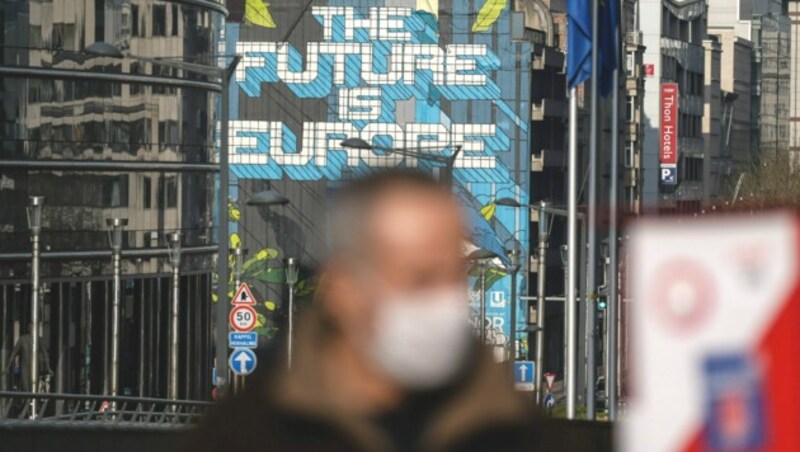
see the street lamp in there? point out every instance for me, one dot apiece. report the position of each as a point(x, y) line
point(104, 49)
point(174, 243)
point(34, 210)
point(292, 276)
point(445, 178)
point(545, 210)
point(268, 198)
point(115, 231)
point(513, 257)
point(238, 262)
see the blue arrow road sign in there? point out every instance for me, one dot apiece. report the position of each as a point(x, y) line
point(524, 375)
point(549, 401)
point(523, 372)
point(242, 340)
point(242, 361)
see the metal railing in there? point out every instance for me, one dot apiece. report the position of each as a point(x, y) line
point(76, 408)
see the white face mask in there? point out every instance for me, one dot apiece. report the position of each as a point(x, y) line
point(421, 341)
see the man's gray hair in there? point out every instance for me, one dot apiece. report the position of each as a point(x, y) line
point(353, 203)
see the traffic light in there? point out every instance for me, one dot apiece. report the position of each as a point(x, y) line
point(602, 304)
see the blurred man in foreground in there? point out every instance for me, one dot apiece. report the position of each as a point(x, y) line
point(386, 361)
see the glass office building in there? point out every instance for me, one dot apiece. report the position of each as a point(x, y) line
point(105, 137)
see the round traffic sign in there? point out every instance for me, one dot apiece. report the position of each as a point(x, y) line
point(242, 361)
point(549, 401)
point(242, 318)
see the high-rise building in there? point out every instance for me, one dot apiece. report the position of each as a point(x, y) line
point(103, 137)
point(765, 24)
point(674, 62)
point(712, 117)
point(737, 146)
point(633, 132)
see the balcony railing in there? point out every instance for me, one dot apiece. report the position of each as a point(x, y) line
point(17, 407)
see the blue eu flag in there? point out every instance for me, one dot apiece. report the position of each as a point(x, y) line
point(579, 42)
point(608, 47)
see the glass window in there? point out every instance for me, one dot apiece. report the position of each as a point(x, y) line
point(115, 191)
point(629, 157)
point(159, 20)
point(630, 108)
point(134, 20)
point(136, 88)
point(172, 192)
point(167, 192)
point(175, 16)
point(147, 192)
point(99, 20)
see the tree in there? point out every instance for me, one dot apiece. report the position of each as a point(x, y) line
point(772, 182)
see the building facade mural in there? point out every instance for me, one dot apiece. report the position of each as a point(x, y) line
point(426, 76)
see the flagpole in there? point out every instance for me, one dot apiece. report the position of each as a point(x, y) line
point(572, 255)
point(613, 198)
point(591, 285)
point(611, 314)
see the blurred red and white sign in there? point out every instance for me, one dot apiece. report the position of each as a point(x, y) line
point(649, 70)
point(715, 335)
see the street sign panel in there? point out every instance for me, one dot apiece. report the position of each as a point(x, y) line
point(242, 340)
point(243, 318)
point(242, 361)
point(549, 401)
point(244, 296)
point(524, 375)
point(549, 378)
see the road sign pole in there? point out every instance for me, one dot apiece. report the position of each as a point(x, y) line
point(221, 350)
point(481, 321)
point(238, 254)
point(292, 275)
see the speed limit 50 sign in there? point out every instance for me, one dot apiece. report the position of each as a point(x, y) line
point(242, 318)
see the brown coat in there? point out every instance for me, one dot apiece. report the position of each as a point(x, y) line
point(293, 412)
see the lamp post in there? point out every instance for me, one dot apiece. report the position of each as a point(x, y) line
point(238, 259)
point(35, 205)
point(174, 242)
point(267, 199)
point(546, 212)
point(544, 231)
point(445, 178)
point(565, 264)
point(103, 49)
point(292, 275)
point(513, 257)
point(115, 231)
